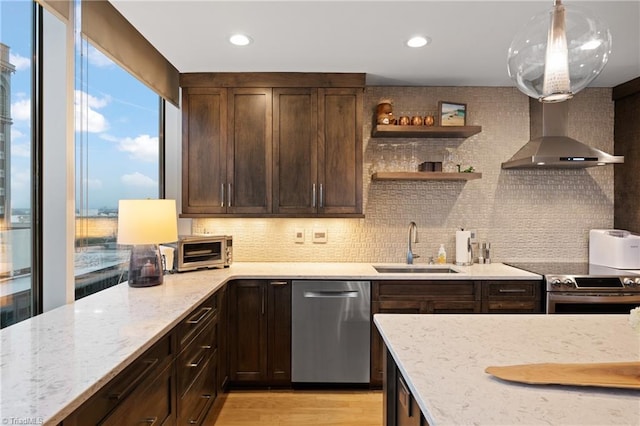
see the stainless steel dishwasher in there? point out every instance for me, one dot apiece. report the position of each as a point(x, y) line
point(331, 331)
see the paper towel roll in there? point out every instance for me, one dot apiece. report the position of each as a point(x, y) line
point(463, 248)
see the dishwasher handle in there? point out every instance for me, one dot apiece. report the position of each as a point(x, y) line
point(331, 294)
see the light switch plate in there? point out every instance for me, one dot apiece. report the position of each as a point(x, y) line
point(319, 235)
point(298, 236)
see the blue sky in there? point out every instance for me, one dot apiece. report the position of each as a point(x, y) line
point(121, 121)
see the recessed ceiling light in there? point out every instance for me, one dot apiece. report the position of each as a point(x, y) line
point(418, 41)
point(240, 39)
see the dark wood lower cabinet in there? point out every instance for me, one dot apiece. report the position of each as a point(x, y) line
point(197, 365)
point(260, 332)
point(152, 374)
point(151, 404)
point(174, 382)
point(400, 407)
point(241, 336)
point(448, 297)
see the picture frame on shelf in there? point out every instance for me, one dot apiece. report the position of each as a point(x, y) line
point(452, 113)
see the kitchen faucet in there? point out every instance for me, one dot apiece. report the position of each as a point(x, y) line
point(413, 229)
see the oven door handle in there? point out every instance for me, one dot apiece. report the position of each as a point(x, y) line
point(614, 298)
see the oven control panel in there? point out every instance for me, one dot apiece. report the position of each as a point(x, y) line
point(589, 283)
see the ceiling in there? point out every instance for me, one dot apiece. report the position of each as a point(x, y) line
point(469, 44)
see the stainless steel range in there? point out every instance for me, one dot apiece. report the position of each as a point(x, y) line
point(573, 288)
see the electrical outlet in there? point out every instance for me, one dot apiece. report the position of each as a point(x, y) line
point(298, 236)
point(319, 235)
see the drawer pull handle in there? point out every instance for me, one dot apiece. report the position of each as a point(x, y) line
point(513, 290)
point(132, 384)
point(151, 420)
point(405, 396)
point(203, 313)
point(276, 283)
point(203, 354)
point(205, 398)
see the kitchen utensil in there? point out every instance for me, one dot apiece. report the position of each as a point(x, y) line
point(604, 374)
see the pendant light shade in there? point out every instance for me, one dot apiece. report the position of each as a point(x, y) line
point(558, 53)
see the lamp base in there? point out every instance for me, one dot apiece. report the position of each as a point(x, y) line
point(145, 266)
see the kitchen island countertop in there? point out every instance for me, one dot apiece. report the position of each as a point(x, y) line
point(443, 358)
point(50, 364)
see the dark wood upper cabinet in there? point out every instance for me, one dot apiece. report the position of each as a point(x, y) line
point(204, 150)
point(295, 150)
point(272, 151)
point(249, 157)
point(340, 148)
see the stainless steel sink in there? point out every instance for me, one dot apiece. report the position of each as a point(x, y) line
point(414, 269)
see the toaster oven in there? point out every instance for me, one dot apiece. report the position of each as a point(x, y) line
point(202, 252)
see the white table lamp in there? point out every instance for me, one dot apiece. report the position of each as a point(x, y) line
point(144, 224)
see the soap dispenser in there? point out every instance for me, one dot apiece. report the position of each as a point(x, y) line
point(442, 255)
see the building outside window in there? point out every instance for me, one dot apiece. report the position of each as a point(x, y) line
point(16, 50)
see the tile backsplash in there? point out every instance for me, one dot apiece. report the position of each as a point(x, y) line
point(527, 215)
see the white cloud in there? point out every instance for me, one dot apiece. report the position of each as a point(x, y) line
point(143, 148)
point(86, 117)
point(98, 58)
point(20, 179)
point(16, 134)
point(94, 183)
point(18, 61)
point(137, 179)
point(21, 110)
point(21, 150)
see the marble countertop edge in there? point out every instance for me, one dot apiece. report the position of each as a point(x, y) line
point(101, 334)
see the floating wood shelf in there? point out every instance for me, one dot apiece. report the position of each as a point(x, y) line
point(425, 176)
point(395, 131)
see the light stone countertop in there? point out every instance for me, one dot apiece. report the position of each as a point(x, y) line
point(443, 357)
point(52, 363)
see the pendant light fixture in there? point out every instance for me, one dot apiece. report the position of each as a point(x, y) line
point(558, 53)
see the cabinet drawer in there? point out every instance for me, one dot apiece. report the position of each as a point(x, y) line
point(513, 305)
point(194, 357)
point(124, 384)
point(195, 403)
point(425, 290)
point(511, 289)
point(152, 405)
point(189, 328)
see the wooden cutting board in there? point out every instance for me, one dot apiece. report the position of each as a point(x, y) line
point(606, 374)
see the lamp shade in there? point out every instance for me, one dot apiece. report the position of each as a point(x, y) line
point(147, 221)
point(558, 53)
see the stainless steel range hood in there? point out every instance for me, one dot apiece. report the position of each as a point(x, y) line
point(550, 147)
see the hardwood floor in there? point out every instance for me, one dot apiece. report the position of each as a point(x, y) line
point(300, 408)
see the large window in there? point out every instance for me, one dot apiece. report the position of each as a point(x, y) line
point(16, 51)
point(118, 144)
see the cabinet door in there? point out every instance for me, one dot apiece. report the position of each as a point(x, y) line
point(247, 331)
point(204, 144)
point(249, 158)
point(295, 151)
point(340, 151)
point(279, 331)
